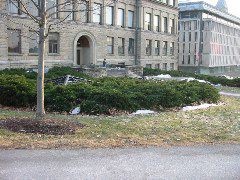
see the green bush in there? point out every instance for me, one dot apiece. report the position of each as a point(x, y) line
point(62, 71)
point(20, 72)
point(213, 79)
point(102, 95)
point(126, 94)
point(17, 91)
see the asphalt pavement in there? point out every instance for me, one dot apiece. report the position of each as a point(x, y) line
point(196, 162)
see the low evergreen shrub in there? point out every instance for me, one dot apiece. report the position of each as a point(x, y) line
point(213, 79)
point(17, 91)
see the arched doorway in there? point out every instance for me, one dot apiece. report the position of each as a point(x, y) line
point(84, 49)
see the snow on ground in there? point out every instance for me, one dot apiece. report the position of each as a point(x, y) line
point(160, 77)
point(202, 106)
point(229, 94)
point(143, 112)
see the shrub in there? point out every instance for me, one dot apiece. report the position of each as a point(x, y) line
point(63, 71)
point(126, 94)
point(213, 79)
point(17, 91)
point(20, 72)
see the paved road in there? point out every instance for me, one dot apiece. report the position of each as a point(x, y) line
point(229, 94)
point(200, 162)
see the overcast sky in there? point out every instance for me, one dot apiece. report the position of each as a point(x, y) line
point(233, 5)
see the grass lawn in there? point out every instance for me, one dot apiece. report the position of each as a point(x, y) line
point(215, 125)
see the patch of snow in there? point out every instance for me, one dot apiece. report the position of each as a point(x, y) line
point(75, 111)
point(229, 94)
point(161, 76)
point(143, 112)
point(202, 106)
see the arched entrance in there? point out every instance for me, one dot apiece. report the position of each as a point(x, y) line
point(84, 49)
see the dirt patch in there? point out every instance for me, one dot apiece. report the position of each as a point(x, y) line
point(46, 126)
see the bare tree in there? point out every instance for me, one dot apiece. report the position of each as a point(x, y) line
point(45, 21)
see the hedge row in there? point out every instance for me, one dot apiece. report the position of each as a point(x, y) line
point(213, 79)
point(102, 95)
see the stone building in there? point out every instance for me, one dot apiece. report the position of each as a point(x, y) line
point(134, 32)
point(209, 38)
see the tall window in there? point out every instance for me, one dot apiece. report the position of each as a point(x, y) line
point(172, 26)
point(195, 25)
point(69, 14)
point(32, 8)
point(156, 23)
point(84, 8)
point(33, 42)
point(53, 43)
point(52, 11)
point(120, 21)
point(165, 25)
point(14, 41)
point(172, 48)
point(183, 59)
point(171, 66)
point(148, 47)
point(165, 66)
point(130, 19)
point(190, 36)
point(157, 48)
point(196, 36)
point(184, 46)
point(148, 21)
point(109, 15)
point(184, 36)
point(97, 13)
point(13, 6)
point(164, 48)
point(121, 42)
point(131, 46)
point(110, 45)
point(189, 59)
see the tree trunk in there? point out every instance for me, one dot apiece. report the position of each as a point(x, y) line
point(41, 56)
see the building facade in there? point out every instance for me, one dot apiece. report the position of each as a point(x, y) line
point(132, 32)
point(209, 38)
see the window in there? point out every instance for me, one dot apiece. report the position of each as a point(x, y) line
point(148, 47)
point(33, 42)
point(184, 37)
point(189, 36)
point(156, 23)
point(97, 13)
point(157, 47)
point(189, 47)
point(147, 21)
point(171, 66)
point(170, 2)
point(32, 8)
point(165, 66)
point(165, 25)
point(69, 14)
point(14, 41)
point(131, 46)
point(195, 25)
point(172, 26)
point(130, 19)
point(172, 48)
point(120, 16)
point(52, 11)
point(157, 66)
point(110, 45)
point(189, 60)
point(148, 66)
point(84, 11)
point(183, 59)
point(109, 15)
point(196, 36)
point(53, 43)
point(184, 48)
point(13, 6)
point(164, 48)
point(121, 42)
